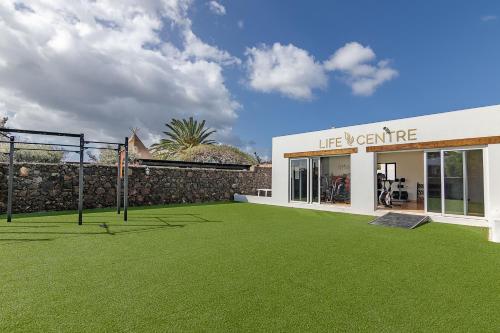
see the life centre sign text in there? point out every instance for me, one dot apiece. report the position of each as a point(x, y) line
point(384, 137)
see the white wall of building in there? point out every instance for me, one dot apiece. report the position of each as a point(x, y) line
point(493, 177)
point(471, 123)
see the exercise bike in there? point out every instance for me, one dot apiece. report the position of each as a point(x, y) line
point(339, 191)
point(385, 197)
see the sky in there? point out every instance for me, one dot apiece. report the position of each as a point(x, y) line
point(253, 69)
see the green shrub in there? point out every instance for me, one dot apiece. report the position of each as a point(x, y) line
point(215, 154)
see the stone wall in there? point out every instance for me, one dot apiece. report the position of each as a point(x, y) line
point(45, 187)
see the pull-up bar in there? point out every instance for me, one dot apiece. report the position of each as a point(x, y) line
point(106, 143)
point(12, 130)
point(102, 148)
point(41, 143)
point(43, 149)
point(82, 147)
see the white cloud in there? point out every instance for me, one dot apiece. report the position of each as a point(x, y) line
point(354, 60)
point(349, 56)
point(487, 18)
point(102, 67)
point(197, 48)
point(241, 24)
point(217, 8)
point(295, 73)
point(286, 69)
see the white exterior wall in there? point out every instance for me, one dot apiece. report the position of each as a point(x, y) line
point(471, 123)
point(493, 188)
point(363, 182)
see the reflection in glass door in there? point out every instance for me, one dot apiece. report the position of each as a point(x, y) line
point(298, 180)
point(315, 180)
point(434, 182)
point(475, 182)
point(454, 182)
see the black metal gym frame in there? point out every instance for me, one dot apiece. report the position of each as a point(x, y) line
point(125, 181)
point(81, 150)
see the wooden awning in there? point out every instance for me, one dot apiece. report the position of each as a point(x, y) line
point(480, 141)
point(316, 153)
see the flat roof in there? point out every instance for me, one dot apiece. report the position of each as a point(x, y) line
point(496, 106)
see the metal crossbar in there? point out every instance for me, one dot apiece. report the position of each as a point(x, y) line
point(41, 143)
point(14, 130)
point(102, 148)
point(106, 143)
point(42, 149)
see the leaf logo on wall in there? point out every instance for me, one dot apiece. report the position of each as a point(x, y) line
point(349, 138)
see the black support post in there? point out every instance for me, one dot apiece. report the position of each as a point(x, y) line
point(118, 181)
point(80, 181)
point(125, 182)
point(11, 179)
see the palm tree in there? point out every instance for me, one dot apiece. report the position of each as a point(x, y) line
point(183, 134)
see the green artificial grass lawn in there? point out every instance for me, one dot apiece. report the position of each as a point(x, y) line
point(244, 267)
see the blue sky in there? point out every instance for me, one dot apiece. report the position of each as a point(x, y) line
point(252, 69)
point(447, 54)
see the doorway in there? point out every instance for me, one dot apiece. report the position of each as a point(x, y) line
point(402, 175)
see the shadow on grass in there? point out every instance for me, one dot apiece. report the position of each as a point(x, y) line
point(48, 224)
point(112, 228)
point(99, 219)
point(29, 226)
point(90, 211)
point(6, 241)
point(25, 239)
point(66, 234)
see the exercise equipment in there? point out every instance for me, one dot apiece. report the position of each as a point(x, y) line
point(385, 197)
point(79, 147)
point(401, 195)
point(339, 190)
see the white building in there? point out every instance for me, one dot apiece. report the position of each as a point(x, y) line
point(450, 164)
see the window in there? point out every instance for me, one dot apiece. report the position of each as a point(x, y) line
point(336, 179)
point(320, 179)
point(386, 171)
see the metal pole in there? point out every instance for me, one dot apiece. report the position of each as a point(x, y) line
point(80, 181)
point(125, 182)
point(118, 182)
point(11, 179)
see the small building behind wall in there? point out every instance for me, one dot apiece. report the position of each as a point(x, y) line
point(448, 163)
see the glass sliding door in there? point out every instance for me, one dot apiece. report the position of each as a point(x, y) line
point(453, 163)
point(298, 180)
point(315, 180)
point(434, 182)
point(321, 179)
point(455, 182)
point(475, 182)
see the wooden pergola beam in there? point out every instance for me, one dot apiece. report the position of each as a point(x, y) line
point(480, 141)
point(316, 153)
